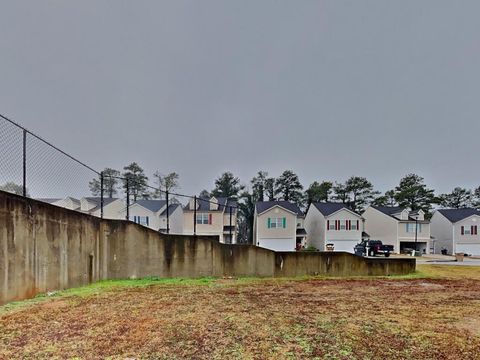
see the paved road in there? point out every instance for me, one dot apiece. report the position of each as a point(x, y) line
point(465, 262)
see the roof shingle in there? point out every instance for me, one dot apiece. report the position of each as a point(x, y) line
point(263, 206)
point(455, 215)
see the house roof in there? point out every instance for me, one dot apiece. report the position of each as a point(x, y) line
point(171, 209)
point(328, 208)
point(152, 205)
point(263, 206)
point(389, 210)
point(48, 200)
point(204, 204)
point(97, 202)
point(455, 215)
point(393, 210)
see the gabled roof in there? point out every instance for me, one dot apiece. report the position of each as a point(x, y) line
point(455, 215)
point(392, 211)
point(389, 210)
point(48, 200)
point(97, 201)
point(171, 209)
point(152, 205)
point(262, 206)
point(328, 208)
point(204, 204)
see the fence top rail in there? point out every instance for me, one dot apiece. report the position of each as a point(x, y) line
point(100, 173)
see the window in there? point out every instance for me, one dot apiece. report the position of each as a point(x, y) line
point(410, 227)
point(343, 224)
point(466, 231)
point(353, 225)
point(274, 223)
point(142, 220)
point(203, 219)
point(331, 225)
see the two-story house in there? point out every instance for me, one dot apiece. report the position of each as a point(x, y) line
point(112, 207)
point(333, 224)
point(67, 203)
point(278, 226)
point(456, 230)
point(153, 214)
point(211, 217)
point(397, 226)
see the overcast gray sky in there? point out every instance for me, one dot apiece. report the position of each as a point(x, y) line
point(326, 88)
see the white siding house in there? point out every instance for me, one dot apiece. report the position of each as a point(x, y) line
point(278, 226)
point(456, 230)
point(334, 224)
point(395, 226)
point(153, 214)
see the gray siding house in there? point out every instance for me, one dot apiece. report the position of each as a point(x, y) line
point(456, 230)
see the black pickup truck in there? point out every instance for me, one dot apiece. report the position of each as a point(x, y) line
point(374, 248)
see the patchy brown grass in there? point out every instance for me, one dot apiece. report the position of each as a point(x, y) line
point(417, 318)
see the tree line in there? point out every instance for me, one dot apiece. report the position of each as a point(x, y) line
point(134, 176)
point(356, 192)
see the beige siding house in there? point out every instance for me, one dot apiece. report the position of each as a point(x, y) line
point(67, 203)
point(153, 214)
point(456, 230)
point(278, 226)
point(211, 217)
point(112, 207)
point(395, 226)
point(333, 224)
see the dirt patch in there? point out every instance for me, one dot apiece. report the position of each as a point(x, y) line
point(336, 319)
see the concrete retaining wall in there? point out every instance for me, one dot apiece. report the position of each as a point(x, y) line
point(45, 248)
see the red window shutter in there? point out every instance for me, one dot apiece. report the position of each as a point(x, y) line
point(210, 219)
point(475, 228)
point(462, 230)
point(349, 227)
point(358, 224)
point(328, 225)
point(337, 224)
point(471, 230)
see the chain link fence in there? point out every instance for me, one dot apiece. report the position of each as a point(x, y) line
point(32, 167)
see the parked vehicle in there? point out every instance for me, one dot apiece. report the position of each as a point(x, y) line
point(373, 247)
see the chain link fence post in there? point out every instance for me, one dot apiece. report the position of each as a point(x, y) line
point(101, 194)
point(128, 199)
point(168, 215)
point(24, 163)
point(231, 238)
point(195, 215)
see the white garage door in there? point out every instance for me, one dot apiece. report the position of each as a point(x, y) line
point(471, 249)
point(278, 244)
point(343, 245)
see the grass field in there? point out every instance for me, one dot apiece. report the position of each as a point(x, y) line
point(433, 314)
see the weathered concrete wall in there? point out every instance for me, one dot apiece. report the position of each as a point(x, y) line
point(288, 264)
point(44, 248)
